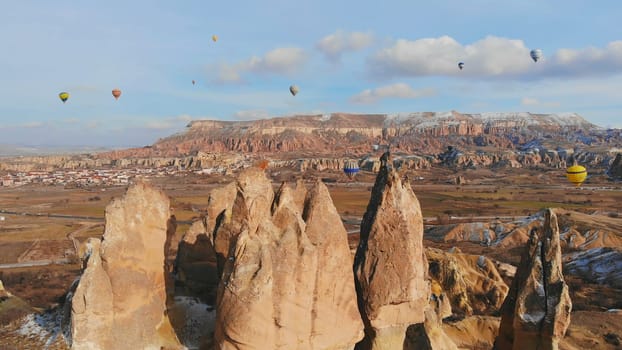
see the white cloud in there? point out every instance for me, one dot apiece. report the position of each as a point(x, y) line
point(32, 125)
point(251, 114)
point(184, 118)
point(94, 124)
point(490, 57)
point(71, 120)
point(334, 45)
point(590, 61)
point(159, 125)
point(281, 61)
point(398, 90)
point(530, 101)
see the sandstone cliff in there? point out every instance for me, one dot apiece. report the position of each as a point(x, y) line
point(323, 142)
point(327, 133)
point(121, 299)
point(536, 312)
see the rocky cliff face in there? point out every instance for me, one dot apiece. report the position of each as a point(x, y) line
point(485, 290)
point(615, 169)
point(390, 265)
point(405, 132)
point(320, 141)
point(121, 299)
point(286, 280)
point(536, 312)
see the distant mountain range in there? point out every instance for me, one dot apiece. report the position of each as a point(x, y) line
point(342, 133)
point(452, 139)
point(19, 150)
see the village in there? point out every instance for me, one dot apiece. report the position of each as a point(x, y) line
point(86, 177)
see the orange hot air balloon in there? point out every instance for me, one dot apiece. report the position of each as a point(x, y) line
point(262, 164)
point(116, 93)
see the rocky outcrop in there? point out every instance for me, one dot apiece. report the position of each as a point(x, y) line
point(475, 332)
point(12, 308)
point(579, 231)
point(536, 312)
point(429, 335)
point(197, 260)
point(327, 132)
point(477, 232)
point(319, 141)
point(286, 282)
point(121, 299)
point(390, 265)
point(485, 290)
point(615, 169)
point(599, 265)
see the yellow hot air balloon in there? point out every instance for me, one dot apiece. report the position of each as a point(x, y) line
point(64, 96)
point(576, 174)
point(214, 38)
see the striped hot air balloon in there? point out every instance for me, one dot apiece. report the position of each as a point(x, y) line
point(350, 168)
point(576, 174)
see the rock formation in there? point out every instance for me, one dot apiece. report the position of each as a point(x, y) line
point(196, 259)
point(121, 299)
point(598, 265)
point(12, 307)
point(286, 282)
point(485, 290)
point(334, 291)
point(615, 169)
point(390, 265)
point(475, 332)
point(430, 334)
point(536, 312)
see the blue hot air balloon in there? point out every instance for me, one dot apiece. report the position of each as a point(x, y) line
point(350, 168)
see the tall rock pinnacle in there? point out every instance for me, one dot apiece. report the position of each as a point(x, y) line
point(536, 312)
point(390, 264)
point(121, 299)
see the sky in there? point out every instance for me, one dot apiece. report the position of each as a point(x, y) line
point(345, 56)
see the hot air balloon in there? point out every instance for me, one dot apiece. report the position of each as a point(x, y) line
point(193, 82)
point(116, 93)
point(350, 168)
point(262, 164)
point(536, 54)
point(576, 174)
point(64, 96)
point(214, 38)
point(293, 89)
point(460, 65)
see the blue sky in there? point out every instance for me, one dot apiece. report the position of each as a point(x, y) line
point(345, 56)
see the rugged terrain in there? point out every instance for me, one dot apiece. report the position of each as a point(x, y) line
point(247, 246)
point(417, 140)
